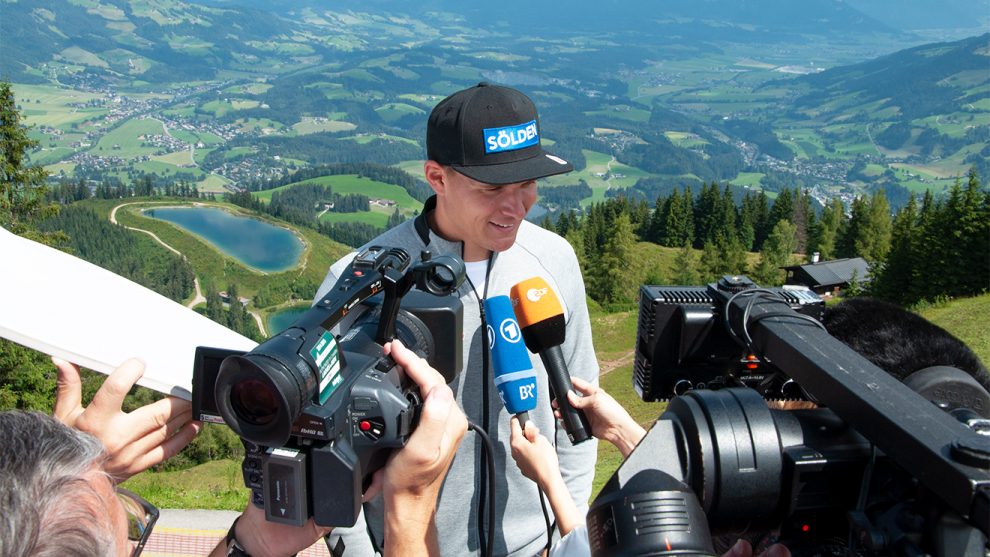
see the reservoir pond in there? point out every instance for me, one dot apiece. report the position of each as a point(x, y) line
point(280, 320)
point(253, 242)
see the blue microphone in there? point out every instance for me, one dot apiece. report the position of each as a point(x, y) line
point(515, 377)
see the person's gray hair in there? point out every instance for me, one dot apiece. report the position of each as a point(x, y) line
point(48, 505)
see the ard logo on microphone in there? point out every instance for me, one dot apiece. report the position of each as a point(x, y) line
point(509, 330)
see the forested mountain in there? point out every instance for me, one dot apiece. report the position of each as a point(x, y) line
point(924, 14)
point(167, 41)
point(914, 83)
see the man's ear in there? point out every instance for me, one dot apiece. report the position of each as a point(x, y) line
point(436, 176)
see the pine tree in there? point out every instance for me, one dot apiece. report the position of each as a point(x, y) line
point(776, 253)
point(733, 255)
point(853, 234)
point(799, 218)
point(23, 191)
point(975, 224)
point(896, 279)
point(612, 279)
point(706, 214)
point(685, 271)
point(829, 229)
point(711, 262)
point(761, 215)
point(678, 223)
point(655, 230)
point(783, 209)
point(872, 241)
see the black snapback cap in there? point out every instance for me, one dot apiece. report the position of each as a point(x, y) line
point(492, 134)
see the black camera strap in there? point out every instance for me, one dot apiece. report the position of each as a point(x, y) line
point(486, 494)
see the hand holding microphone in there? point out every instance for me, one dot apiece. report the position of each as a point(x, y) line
point(515, 377)
point(542, 319)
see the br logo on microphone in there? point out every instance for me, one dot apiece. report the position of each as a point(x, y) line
point(535, 294)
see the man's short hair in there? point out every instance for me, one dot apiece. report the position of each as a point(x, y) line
point(50, 505)
point(899, 341)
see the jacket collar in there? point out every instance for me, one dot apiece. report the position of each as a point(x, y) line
point(422, 222)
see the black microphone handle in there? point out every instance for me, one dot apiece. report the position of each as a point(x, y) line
point(575, 423)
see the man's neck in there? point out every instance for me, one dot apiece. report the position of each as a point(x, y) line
point(469, 252)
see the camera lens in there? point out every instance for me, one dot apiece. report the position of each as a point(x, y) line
point(260, 397)
point(254, 402)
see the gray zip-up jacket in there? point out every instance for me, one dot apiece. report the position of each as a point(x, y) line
point(519, 524)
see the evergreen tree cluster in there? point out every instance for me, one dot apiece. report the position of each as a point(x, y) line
point(565, 197)
point(351, 203)
point(300, 204)
point(417, 189)
point(129, 255)
point(938, 249)
point(353, 234)
point(922, 253)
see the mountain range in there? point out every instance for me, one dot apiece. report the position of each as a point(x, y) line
point(166, 40)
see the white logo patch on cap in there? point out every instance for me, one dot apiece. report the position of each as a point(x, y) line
point(510, 138)
point(557, 160)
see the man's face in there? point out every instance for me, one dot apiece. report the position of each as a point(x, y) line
point(485, 217)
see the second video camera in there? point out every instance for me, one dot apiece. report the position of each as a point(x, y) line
point(318, 406)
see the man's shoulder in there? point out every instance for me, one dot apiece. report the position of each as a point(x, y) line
point(535, 238)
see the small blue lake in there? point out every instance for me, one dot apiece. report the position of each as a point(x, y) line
point(280, 321)
point(253, 242)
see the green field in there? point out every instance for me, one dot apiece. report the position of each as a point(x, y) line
point(601, 174)
point(50, 106)
point(125, 140)
point(352, 183)
point(316, 125)
point(393, 111)
point(375, 218)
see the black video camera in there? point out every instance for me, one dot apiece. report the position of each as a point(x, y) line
point(319, 412)
point(682, 342)
point(877, 469)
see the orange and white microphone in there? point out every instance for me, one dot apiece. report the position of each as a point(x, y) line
point(541, 318)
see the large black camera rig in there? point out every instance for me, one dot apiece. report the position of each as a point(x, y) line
point(319, 412)
point(875, 470)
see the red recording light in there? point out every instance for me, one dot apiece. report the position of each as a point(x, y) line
point(805, 528)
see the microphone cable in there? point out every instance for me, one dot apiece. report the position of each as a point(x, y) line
point(489, 451)
point(546, 520)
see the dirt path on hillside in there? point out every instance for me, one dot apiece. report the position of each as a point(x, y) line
point(198, 298)
point(608, 366)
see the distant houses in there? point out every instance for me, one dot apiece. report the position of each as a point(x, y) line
point(225, 298)
point(829, 278)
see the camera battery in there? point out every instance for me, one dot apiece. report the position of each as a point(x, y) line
point(285, 486)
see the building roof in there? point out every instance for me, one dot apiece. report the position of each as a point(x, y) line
point(836, 271)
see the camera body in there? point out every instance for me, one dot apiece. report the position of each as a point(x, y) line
point(875, 469)
point(319, 406)
point(682, 343)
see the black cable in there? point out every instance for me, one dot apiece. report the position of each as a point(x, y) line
point(489, 451)
point(546, 520)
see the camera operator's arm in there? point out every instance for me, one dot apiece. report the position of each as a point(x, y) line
point(414, 474)
point(609, 420)
point(537, 460)
point(135, 441)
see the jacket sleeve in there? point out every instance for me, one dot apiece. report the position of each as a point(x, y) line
point(577, 463)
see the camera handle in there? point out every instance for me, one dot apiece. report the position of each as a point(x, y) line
point(440, 277)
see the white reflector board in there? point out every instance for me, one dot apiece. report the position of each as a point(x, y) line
point(66, 307)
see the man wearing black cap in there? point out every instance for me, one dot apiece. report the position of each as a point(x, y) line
point(485, 155)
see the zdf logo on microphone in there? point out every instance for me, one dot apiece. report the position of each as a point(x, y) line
point(535, 294)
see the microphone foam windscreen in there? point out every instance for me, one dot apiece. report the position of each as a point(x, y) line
point(539, 313)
